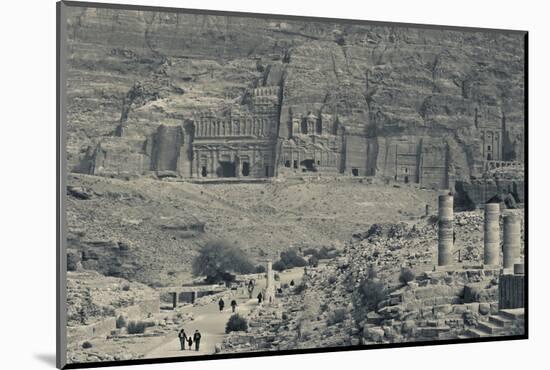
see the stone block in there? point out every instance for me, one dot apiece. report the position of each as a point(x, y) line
point(459, 309)
point(484, 308)
point(444, 309)
point(375, 334)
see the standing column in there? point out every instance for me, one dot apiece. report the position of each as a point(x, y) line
point(512, 240)
point(445, 233)
point(491, 234)
point(269, 284)
point(269, 280)
point(174, 300)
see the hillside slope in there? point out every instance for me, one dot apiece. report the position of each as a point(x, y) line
point(150, 230)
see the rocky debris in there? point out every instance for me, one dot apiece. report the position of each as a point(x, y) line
point(329, 309)
point(92, 296)
point(79, 192)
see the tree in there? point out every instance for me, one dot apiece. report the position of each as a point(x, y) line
point(260, 269)
point(279, 266)
point(291, 259)
point(218, 259)
point(372, 291)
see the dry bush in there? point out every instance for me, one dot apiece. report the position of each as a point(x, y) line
point(337, 316)
point(236, 323)
point(406, 275)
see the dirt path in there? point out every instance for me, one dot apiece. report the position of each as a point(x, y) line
point(211, 322)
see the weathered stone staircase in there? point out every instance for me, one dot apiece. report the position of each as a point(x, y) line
point(506, 322)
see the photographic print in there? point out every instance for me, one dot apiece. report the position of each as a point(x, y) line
point(249, 184)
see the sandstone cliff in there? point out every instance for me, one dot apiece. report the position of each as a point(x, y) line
point(413, 104)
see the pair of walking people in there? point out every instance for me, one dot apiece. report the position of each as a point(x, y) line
point(221, 304)
point(196, 338)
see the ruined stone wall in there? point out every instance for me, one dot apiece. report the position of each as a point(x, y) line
point(166, 148)
point(120, 156)
point(76, 334)
point(141, 310)
point(355, 155)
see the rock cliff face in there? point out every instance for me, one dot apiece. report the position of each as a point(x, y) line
point(414, 105)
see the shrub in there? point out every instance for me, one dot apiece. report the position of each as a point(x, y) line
point(372, 291)
point(284, 316)
point(313, 261)
point(310, 252)
point(121, 322)
point(406, 275)
point(292, 259)
point(331, 279)
point(298, 289)
point(87, 345)
point(236, 323)
point(276, 277)
point(371, 273)
point(337, 316)
point(375, 230)
point(279, 266)
point(289, 259)
point(260, 269)
point(218, 258)
point(126, 287)
point(72, 261)
point(138, 327)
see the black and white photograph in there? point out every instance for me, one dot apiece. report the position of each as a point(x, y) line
point(242, 184)
point(288, 184)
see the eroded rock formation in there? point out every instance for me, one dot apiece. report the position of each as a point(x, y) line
point(214, 96)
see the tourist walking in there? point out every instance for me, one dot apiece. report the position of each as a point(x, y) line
point(183, 337)
point(221, 303)
point(250, 288)
point(190, 342)
point(197, 339)
point(233, 305)
point(260, 296)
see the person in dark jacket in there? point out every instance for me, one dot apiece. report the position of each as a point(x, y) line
point(221, 303)
point(197, 339)
point(183, 337)
point(233, 305)
point(260, 296)
point(190, 342)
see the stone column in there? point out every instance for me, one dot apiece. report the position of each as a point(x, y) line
point(512, 240)
point(269, 284)
point(212, 164)
point(174, 300)
point(269, 280)
point(491, 234)
point(445, 233)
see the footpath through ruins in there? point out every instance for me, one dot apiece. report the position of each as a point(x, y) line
point(211, 322)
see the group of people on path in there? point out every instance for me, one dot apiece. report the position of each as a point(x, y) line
point(196, 338)
point(221, 304)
